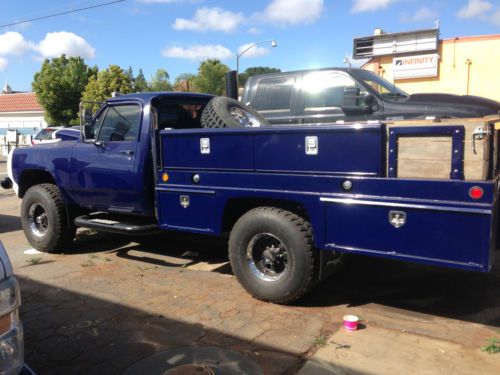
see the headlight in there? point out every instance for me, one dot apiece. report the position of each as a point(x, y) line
point(10, 296)
point(11, 331)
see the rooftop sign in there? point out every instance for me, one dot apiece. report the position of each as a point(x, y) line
point(396, 43)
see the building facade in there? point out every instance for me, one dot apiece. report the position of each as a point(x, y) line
point(20, 110)
point(21, 117)
point(461, 65)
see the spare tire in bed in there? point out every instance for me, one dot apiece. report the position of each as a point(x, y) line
point(222, 112)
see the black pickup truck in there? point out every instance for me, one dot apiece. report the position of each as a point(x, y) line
point(335, 94)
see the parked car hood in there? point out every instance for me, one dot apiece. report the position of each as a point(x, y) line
point(69, 134)
point(475, 104)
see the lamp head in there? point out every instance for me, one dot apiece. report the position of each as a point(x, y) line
point(274, 44)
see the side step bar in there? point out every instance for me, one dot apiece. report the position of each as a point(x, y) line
point(120, 224)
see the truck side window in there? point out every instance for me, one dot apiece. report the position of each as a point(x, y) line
point(274, 94)
point(121, 123)
point(327, 89)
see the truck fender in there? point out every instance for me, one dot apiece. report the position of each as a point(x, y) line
point(15, 186)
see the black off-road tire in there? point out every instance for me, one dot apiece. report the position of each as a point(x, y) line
point(59, 229)
point(220, 113)
point(295, 234)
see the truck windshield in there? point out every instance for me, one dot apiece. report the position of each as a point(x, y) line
point(381, 85)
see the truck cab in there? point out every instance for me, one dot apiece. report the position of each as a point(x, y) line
point(343, 94)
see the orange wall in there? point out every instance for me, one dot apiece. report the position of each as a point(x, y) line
point(468, 65)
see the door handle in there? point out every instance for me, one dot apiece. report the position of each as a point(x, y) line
point(127, 152)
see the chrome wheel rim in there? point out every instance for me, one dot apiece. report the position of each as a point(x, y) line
point(267, 257)
point(38, 220)
point(244, 117)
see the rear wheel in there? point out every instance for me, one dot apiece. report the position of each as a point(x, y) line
point(272, 255)
point(45, 220)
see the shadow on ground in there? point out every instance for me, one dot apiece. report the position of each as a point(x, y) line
point(175, 245)
point(72, 333)
point(468, 296)
point(9, 223)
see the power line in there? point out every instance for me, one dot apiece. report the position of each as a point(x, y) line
point(62, 13)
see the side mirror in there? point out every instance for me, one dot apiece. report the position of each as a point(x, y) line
point(354, 103)
point(86, 116)
point(88, 132)
point(351, 96)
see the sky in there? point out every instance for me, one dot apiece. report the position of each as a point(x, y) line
point(177, 34)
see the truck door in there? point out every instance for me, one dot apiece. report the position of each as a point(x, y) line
point(328, 96)
point(104, 170)
point(275, 98)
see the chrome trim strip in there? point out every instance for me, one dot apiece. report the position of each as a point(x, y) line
point(405, 205)
point(400, 255)
point(184, 190)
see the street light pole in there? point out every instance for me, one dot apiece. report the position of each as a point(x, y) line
point(238, 55)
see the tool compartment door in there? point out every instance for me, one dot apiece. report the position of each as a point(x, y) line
point(187, 210)
point(426, 233)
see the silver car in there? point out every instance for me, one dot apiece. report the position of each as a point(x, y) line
point(11, 329)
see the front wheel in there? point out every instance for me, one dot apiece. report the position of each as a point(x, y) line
point(45, 220)
point(272, 255)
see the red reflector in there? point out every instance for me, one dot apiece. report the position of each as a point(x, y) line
point(476, 192)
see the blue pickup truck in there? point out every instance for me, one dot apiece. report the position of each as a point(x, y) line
point(294, 201)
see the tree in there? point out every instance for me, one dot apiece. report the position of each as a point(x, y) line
point(140, 83)
point(113, 79)
point(58, 87)
point(242, 77)
point(185, 82)
point(211, 77)
point(160, 81)
point(130, 74)
point(92, 71)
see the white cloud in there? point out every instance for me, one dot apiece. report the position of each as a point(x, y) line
point(370, 5)
point(210, 19)
point(13, 43)
point(253, 52)
point(474, 8)
point(3, 63)
point(198, 52)
point(421, 15)
point(57, 43)
point(291, 12)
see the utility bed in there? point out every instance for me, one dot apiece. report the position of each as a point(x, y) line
point(345, 177)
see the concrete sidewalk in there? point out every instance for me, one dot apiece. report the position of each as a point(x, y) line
point(375, 350)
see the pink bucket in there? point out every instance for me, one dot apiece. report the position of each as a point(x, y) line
point(351, 322)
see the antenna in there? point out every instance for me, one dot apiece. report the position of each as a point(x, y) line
point(346, 60)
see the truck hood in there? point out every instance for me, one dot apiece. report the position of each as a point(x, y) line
point(475, 105)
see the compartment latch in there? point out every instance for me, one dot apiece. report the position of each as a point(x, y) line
point(478, 134)
point(311, 145)
point(397, 218)
point(205, 145)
